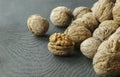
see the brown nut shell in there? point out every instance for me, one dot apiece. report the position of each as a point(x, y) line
point(90, 20)
point(78, 33)
point(106, 62)
point(105, 29)
point(102, 10)
point(89, 47)
point(61, 16)
point(80, 11)
point(37, 24)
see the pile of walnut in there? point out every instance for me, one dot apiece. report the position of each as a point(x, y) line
point(95, 31)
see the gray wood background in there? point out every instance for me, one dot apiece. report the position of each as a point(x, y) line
point(25, 55)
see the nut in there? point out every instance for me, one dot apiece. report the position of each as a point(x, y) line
point(105, 29)
point(61, 16)
point(37, 24)
point(90, 20)
point(60, 44)
point(89, 47)
point(102, 10)
point(106, 62)
point(116, 12)
point(75, 23)
point(80, 11)
point(78, 33)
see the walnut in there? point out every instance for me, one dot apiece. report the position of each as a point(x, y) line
point(60, 44)
point(105, 29)
point(75, 23)
point(88, 21)
point(102, 10)
point(89, 47)
point(61, 16)
point(78, 33)
point(116, 12)
point(106, 61)
point(37, 24)
point(80, 11)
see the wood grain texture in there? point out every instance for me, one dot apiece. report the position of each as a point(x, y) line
point(25, 55)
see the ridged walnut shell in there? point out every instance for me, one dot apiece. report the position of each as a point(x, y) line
point(106, 61)
point(78, 33)
point(80, 11)
point(89, 47)
point(37, 24)
point(102, 10)
point(61, 16)
point(105, 29)
point(88, 20)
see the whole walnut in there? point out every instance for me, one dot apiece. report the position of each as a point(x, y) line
point(105, 29)
point(37, 24)
point(61, 16)
point(60, 44)
point(102, 10)
point(106, 61)
point(88, 20)
point(89, 47)
point(116, 12)
point(80, 11)
point(75, 23)
point(78, 33)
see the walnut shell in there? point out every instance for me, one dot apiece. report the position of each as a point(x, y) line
point(78, 33)
point(106, 61)
point(89, 47)
point(102, 10)
point(37, 24)
point(80, 11)
point(90, 20)
point(60, 44)
point(77, 22)
point(105, 29)
point(116, 12)
point(61, 16)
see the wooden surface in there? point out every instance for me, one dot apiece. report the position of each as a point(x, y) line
point(24, 55)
